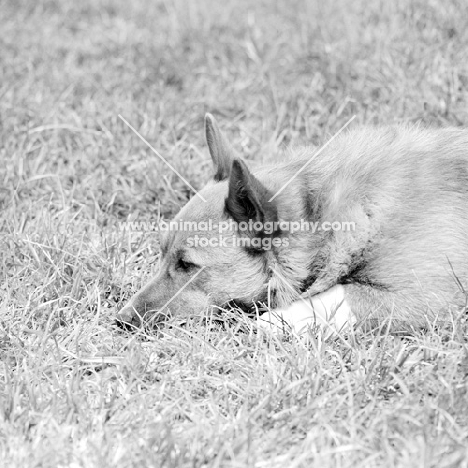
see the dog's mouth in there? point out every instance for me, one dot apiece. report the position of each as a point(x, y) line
point(252, 309)
point(128, 319)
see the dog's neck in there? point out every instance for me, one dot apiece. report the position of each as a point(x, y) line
point(260, 305)
point(308, 282)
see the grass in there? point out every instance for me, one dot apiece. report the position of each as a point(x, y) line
point(74, 390)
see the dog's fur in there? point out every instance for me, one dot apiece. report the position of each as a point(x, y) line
point(406, 188)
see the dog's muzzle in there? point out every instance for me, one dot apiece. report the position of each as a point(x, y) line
point(128, 318)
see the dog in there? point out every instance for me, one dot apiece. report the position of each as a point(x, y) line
point(402, 193)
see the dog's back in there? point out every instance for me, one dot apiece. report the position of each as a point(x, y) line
point(407, 191)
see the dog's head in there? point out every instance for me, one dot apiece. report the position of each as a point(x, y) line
point(221, 247)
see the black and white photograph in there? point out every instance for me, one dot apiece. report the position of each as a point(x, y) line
point(234, 234)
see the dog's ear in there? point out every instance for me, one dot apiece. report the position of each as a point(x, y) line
point(220, 150)
point(247, 198)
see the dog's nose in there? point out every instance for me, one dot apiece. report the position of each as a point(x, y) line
point(128, 318)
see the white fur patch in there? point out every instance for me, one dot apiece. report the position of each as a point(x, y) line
point(328, 311)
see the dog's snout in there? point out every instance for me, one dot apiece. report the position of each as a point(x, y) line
point(128, 318)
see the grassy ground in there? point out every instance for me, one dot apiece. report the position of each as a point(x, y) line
point(74, 390)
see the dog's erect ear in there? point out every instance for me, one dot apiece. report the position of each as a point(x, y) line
point(247, 197)
point(220, 150)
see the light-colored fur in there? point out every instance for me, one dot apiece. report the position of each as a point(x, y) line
point(327, 312)
point(406, 188)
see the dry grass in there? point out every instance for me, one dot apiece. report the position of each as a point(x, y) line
point(74, 390)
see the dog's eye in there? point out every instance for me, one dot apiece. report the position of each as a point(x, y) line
point(184, 266)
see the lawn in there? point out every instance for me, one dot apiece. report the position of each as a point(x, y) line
point(77, 391)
